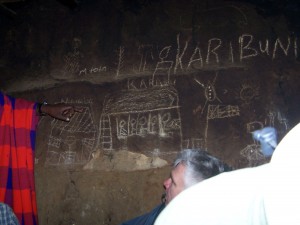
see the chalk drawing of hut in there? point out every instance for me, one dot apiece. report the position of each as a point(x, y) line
point(146, 119)
point(73, 142)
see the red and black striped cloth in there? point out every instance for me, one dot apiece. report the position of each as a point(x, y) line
point(18, 121)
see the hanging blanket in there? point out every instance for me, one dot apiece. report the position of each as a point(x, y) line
point(18, 123)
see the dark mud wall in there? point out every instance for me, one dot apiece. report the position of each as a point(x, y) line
point(153, 78)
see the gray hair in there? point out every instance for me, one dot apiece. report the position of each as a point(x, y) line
point(200, 165)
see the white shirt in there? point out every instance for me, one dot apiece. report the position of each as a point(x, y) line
point(263, 195)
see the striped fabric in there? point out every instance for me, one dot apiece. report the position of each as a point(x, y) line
point(7, 217)
point(18, 122)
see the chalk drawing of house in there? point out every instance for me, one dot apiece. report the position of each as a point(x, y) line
point(73, 142)
point(138, 115)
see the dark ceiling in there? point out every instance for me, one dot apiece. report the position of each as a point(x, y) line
point(267, 8)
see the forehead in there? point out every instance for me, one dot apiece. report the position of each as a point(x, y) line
point(178, 172)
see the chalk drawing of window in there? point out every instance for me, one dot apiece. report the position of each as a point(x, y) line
point(132, 126)
point(140, 113)
point(122, 132)
point(73, 142)
point(122, 129)
point(143, 126)
point(222, 111)
point(153, 124)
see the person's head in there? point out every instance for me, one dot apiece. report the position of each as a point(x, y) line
point(190, 167)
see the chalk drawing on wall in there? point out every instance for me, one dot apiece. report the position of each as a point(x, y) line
point(161, 74)
point(146, 53)
point(222, 111)
point(274, 117)
point(253, 126)
point(120, 63)
point(92, 70)
point(214, 111)
point(252, 152)
point(219, 112)
point(248, 92)
point(140, 113)
point(72, 59)
point(209, 91)
point(72, 143)
point(194, 143)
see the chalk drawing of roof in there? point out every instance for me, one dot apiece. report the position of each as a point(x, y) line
point(79, 123)
point(137, 100)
